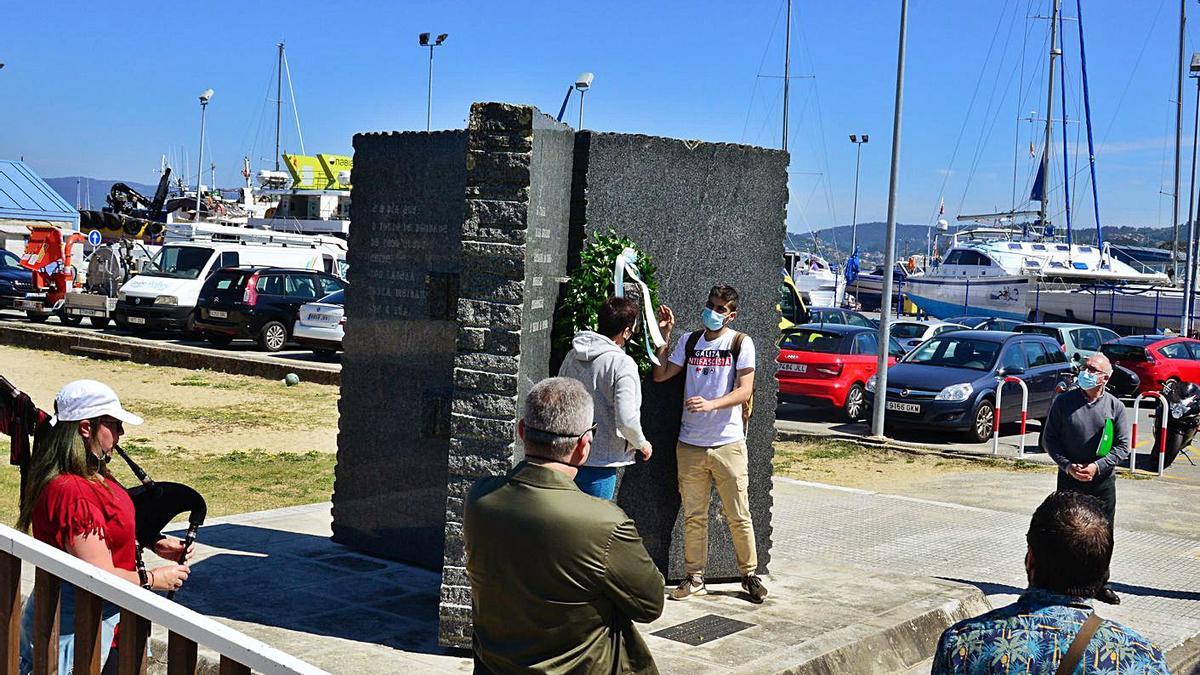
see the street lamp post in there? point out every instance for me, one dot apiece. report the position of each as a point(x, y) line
point(857, 163)
point(1189, 283)
point(205, 96)
point(583, 83)
point(424, 41)
point(889, 251)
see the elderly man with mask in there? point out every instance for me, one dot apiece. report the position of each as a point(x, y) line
point(557, 577)
point(1087, 435)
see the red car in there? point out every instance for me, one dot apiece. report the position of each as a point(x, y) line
point(1160, 361)
point(829, 364)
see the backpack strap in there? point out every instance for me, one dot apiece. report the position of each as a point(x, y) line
point(737, 348)
point(1078, 645)
point(689, 347)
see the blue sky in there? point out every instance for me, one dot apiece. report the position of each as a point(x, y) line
point(105, 89)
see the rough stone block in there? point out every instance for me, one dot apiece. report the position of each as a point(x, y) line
point(478, 380)
point(492, 363)
point(483, 286)
point(481, 428)
point(497, 259)
point(491, 406)
point(485, 314)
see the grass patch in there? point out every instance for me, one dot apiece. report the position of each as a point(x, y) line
point(236, 482)
point(275, 414)
point(202, 381)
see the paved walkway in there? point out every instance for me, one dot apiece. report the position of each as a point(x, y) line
point(276, 575)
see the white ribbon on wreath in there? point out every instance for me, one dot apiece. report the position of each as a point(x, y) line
point(626, 263)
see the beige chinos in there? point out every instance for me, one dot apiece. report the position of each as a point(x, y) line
point(727, 467)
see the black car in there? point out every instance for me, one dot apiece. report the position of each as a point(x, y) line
point(837, 315)
point(15, 281)
point(984, 322)
point(258, 303)
point(950, 381)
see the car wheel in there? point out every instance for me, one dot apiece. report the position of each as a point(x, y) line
point(70, 319)
point(34, 317)
point(273, 336)
point(218, 339)
point(856, 403)
point(981, 426)
point(98, 321)
point(1170, 387)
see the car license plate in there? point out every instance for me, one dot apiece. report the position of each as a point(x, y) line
point(90, 312)
point(27, 304)
point(794, 367)
point(904, 407)
point(218, 314)
point(137, 320)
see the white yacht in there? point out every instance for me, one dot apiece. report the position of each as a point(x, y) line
point(816, 281)
point(316, 202)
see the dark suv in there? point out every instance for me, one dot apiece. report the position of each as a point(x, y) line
point(15, 281)
point(258, 303)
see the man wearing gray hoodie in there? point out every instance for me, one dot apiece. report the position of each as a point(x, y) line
point(598, 360)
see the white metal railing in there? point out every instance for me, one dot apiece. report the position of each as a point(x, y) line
point(240, 653)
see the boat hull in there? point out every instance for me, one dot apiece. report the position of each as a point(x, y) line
point(1126, 310)
point(942, 297)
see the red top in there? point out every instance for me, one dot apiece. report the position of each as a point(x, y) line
point(71, 505)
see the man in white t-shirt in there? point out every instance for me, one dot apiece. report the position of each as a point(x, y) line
point(719, 367)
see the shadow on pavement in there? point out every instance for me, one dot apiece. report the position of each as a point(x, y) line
point(987, 587)
point(307, 583)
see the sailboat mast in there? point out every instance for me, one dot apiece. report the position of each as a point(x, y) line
point(1054, 51)
point(1178, 137)
point(787, 71)
point(278, 101)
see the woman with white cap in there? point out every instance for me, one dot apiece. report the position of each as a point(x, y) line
point(73, 503)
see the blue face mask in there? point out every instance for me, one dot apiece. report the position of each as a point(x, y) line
point(1087, 380)
point(712, 320)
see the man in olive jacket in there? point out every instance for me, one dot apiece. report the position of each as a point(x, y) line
point(557, 576)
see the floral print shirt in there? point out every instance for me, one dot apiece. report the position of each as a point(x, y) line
point(1033, 634)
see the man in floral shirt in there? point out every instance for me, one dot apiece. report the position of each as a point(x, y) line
point(1070, 545)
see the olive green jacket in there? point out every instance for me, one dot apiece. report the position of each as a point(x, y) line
point(557, 578)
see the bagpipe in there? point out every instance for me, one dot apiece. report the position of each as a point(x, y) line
point(155, 504)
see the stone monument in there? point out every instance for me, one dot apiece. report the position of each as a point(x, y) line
point(389, 494)
point(705, 213)
point(514, 252)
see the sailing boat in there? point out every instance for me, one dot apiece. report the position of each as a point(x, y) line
point(1029, 271)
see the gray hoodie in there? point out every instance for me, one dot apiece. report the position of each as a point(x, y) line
point(611, 377)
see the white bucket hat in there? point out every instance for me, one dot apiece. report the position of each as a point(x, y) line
point(87, 400)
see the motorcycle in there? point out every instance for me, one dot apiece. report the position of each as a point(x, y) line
point(1183, 420)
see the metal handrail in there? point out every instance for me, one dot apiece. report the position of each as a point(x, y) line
point(1024, 414)
point(1163, 417)
point(138, 606)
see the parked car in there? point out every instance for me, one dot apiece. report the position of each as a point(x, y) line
point(1160, 362)
point(829, 365)
point(258, 303)
point(15, 281)
point(950, 381)
point(983, 322)
point(837, 315)
point(321, 325)
point(1078, 340)
point(911, 333)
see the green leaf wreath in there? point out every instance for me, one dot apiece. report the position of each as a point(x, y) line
point(591, 284)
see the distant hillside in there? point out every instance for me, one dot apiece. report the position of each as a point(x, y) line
point(96, 188)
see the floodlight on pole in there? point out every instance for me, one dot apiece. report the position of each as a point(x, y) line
point(424, 41)
point(583, 83)
point(857, 163)
point(205, 97)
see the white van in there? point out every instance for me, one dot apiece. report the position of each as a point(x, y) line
point(164, 294)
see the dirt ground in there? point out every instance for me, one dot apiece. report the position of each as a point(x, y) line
point(200, 411)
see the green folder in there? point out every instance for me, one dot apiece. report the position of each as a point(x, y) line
point(1106, 440)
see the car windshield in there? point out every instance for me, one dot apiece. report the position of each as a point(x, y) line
point(908, 331)
point(970, 321)
point(179, 262)
point(812, 341)
point(955, 352)
point(9, 260)
point(1040, 330)
point(1120, 352)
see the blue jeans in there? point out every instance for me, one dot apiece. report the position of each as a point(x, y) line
point(110, 615)
point(598, 481)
